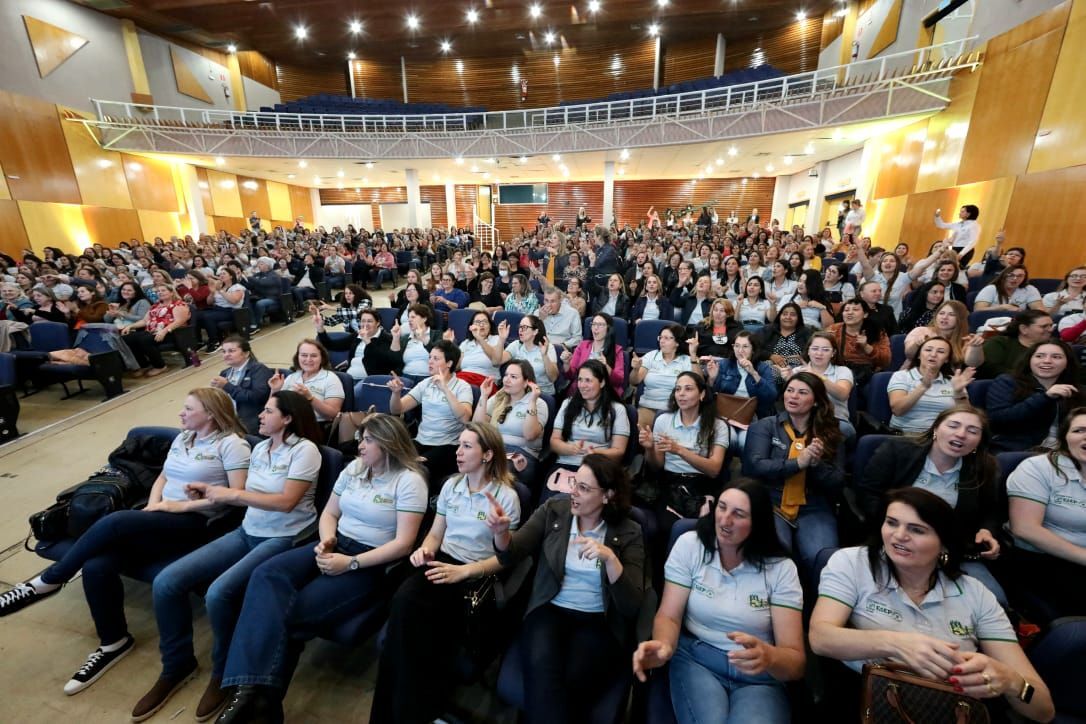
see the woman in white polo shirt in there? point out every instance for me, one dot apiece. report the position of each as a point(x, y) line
point(1010, 291)
point(821, 353)
point(591, 420)
point(657, 370)
point(446, 402)
point(519, 414)
point(1048, 520)
point(730, 621)
point(428, 620)
point(481, 353)
point(930, 385)
point(902, 597)
point(279, 494)
point(313, 379)
point(533, 346)
point(371, 521)
point(210, 449)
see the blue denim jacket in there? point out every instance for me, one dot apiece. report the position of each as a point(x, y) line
point(764, 391)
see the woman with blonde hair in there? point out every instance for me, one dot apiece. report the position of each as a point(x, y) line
point(951, 322)
point(370, 521)
point(428, 621)
point(211, 449)
point(519, 415)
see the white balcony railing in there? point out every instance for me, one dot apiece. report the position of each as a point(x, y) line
point(909, 82)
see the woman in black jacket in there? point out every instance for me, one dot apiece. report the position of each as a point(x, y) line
point(951, 460)
point(375, 357)
point(583, 606)
point(1027, 407)
point(613, 294)
point(314, 272)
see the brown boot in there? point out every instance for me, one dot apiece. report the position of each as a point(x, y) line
point(213, 699)
point(159, 694)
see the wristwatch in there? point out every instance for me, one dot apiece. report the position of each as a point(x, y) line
point(1026, 695)
point(355, 566)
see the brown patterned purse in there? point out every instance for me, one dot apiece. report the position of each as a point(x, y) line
point(892, 694)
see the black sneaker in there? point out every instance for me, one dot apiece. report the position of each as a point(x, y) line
point(97, 664)
point(22, 596)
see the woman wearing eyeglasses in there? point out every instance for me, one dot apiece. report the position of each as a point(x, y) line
point(533, 346)
point(518, 413)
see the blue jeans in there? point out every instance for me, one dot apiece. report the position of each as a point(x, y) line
point(815, 529)
point(288, 594)
point(115, 542)
point(262, 307)
point(706, 688)
point(225, 563)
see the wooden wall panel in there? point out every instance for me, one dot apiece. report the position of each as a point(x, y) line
point(633, 198)
point(301, 205)
point(52, 45)
point(946, 135)
point(563, 200)
point(377, 79)
point(159, 223)
point(59, 225)
point(150, 182)
point(888, 32)
point(1045, 211)
point(5, 193)
point(255, 66)
point(1022, 59)
point(791, 49)
point(832, 27)
point(231, 224)
point(186, 80)
point(438, 207)
point(884, 219)
point(901, 154)
point(205, 190)
point(1065, 144)
point(32, 148)
point(297, 82)
point(465, 204)
point(100, 174)
point(225, 198)
point(12, 232)
point(278, 200)
point(110, 226)
point(689, 60)
point(254, 197)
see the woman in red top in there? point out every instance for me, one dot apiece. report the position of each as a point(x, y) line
point(144, 336)
point(194, 289)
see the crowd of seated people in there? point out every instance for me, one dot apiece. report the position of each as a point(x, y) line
point(604, 416)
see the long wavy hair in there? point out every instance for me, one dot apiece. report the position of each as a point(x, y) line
point(982, 467)
point(393, 438)
point(961, 330)
point(608, 339)
point(762, 545)
point(1062, 448)
point(604, 411)
point(502, 402)
point(1026, 384)
point(218, 405)
point(490, 440)
point(824, 423)
point(935, 512)
point(706, 410)
point(612, 476)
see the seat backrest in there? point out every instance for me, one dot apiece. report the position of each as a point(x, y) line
point(878, 401)
point(1044, 286)
point(645, 333)
point(348, 390)
point(978, 393)
point(7, 369)
point(512, 318)
point(331, 467)
point(683, 525)
point(373, 392)
point(897, 352)
point(1008, 461)
point(621, 330)
point(977, 319)
point(459, 319)
point(95, 341)
point(160, 431)
point(388, 317)
point(865, 448)
point(49, 336)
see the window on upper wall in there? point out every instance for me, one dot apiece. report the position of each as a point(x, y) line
point(522, 194)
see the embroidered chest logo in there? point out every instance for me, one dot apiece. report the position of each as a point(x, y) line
point(884, 610)
point(757, 601)
point(704, 590)
point(381, 499)
point(205, 456)
point(1068, 500)
point(480, 515)
point(960, 629)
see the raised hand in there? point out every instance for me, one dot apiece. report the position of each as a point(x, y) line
point(449, 335)
point(497, 520)
point(486, 389)
point(396, 328)
point(962, 378)
point(712, 369)
point(275, 382)
point(1062, 390)
point(503, 329)
point(395, 384)
point(644, 437)
point(566, 356)
point(635, 362)
point(531, 390)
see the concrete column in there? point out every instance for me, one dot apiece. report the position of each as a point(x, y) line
point(403, 77)
point(413, 197)
point(450, 205)
point(608, 192)
point(657, 59)
point(814, 213)
point(194, 202)
point(237, 85)
point(350, 77)
point(718, 61)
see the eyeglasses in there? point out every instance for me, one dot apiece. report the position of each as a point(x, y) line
point(597, 325)
point(584, 489)
point(526, 326)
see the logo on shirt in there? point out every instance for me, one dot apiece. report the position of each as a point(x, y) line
point(204, 456)
point(757, 601)
point(1068, 500)
point(480, 515)
point(381, 499)
point(960, 629)
point(884, 610)
point(703, 590)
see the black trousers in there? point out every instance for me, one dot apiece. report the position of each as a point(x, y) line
point(425, 631)
point(1061, 580)
point(440, 461)
point(568, 658)
point(145, 348)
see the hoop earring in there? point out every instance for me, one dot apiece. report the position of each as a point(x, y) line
point(943, 559)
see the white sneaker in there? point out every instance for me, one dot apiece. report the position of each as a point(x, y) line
point(97, 664)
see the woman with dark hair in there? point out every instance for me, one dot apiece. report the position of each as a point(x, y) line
point(730, 278)
point(753, 310)
point(533, 347)
point(657, 371)
point(1010, 291)
point(862, 345)
point(89, 307)
point(369, 348)
point(399, 299)
point(730, 621)
point(602, 347)
point(951, 322)
point(521, 298)
point(279, 494)
point(482, 350)
point(612, 299)
point(746, 374)
point(353, 300)
point(313, 379)
point(930, 385)
point(1048, 521)
point(800, 455)
point(893, 280)
point(921, 309)
point(591, 419)
point(46, 308)
point(1026, 408)
point(686, 443)
point(785, 337)
point(835, 282)
point(1005, 351)
point(821, 355)
point(163, 318)
point(413, 346)
point(780, 283)
point(952, 459)
point(226, 296)
point(486, 293)
point(964, 233)
point(587, 590)
point(810, 297)
point(870, 599)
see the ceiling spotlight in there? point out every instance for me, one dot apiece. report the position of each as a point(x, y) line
point(809, 149)
point(413, 21)
point(733, 151)
point(473, 15)
point(622, 172)
point(437, 177)
point(801, 16)
point(535, 10)
point(625, 154)
point(290, 175)
point(565, 172)
point(231, 48)
point(302, 164)
point(654, 30)
point(220, 161)
point(720, 162)
point(300, 32)
point(446, 46)
point(492, 160)
point(769, 168)
point(486, 174)
point(594, 6)
point(662, 3)
point(369, 164)
point(356, 27)
point(339, 173)
point(350, 55)
point(756, 175)
point(104, 163)
point(459, 160)
point(365, 180)
point(474, 168)
point(523, 159)
point(556, 157)
point(317, 180)
point(357, 190)
point(787, 160)
point(549, 38)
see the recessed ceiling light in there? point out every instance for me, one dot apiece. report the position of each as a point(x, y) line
point(535, 10)
point(594, 6)
point(486, 174)
point(523, 159)
point(302, 164)
point(356, 27)
point(369, 164)
point(801, 16)
point(473, 15)
point(350, 55)
point(549, 38)
point(104, 163)
point(474, 168)
point(339, 173)
point(437, 177)
point(809, 149)
point(756, 175)
point(492, 160)
point(787, 160)
point(459, 160)
point(365, 180)
point(625, 154)
point(231, 48)
point(290, 175)
point(733, 151)
point(446, 46)
point(316, 179)
point(565, 172)
point(769, 168)
point(556, 157)
point(622, 172)
point(654, 30)
point(662, 3)
point(300, 32)
point(413, 21)
point(219, 161)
